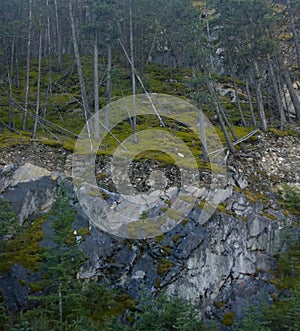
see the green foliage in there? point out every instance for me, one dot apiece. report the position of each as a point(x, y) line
point(285, 314)
point(24, 248)
point(292, 199)
point(161, 314)
point(253, 320)
point(8, 222)
point(61, 262)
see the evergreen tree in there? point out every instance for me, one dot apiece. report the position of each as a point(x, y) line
point(62, 300)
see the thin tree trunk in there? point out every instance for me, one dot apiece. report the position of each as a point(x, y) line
point(49, 49)
point(221, 110)
point(250, 105)
point(27, 65)
point(208, 35)
point(152, 45)
point(108, 87)
point(237, 100)
point(239, 104)
point(260, 105)
point(60, 308)
point(132, 75)
point(96, 87)
point(286, 104)
point(84, 97)
point(212, 92)
point(59, 41)
point(203, 135)
point(292, 92)
point(38, 86)
point(204, 155)
point(17, 73)
point(48, 38)
point(11, 118)
point(277, 94)
point(294, 32)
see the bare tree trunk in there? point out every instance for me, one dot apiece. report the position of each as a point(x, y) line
point(260, 105)
point(277, 94)
point(294, 32)
point(60, 308)
point(49, 49)
point(17, 72)
point(108, 87)
point(212, 92)
point(27, 65)
point(203, 136)
point(208, 35)
point(96, 87)
point(221, 110)
point(11, 118)
point(38, 86)
point(48, 38)
point(237, 100)
point(84, 97)
point(250, 105)
point(205, 156)
point(149, 57)
point(239, 104)
point(132, 75)
point(59, 41)
point(292, 92)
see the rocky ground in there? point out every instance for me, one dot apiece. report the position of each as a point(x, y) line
point(221, 265)
point(266, 161)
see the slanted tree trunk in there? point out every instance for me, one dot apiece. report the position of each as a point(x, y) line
point(292, 92)
point(27, 64)
point(84, 97)
point(212, 92)
point(250, 105)
point(260, 104)
point(205, 156)
point(277, 93)
point(294, 32)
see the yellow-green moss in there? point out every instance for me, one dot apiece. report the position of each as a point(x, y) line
point(270, 216)
point(159, 238)
point(164, 266)
point(157, 282)
point(166, 250)
point(283, 133)
point(37, 286)
point(228, 318)
point(219, 304)
point(185, 221)
point(22, 282)
point(221, 208)
point(255, 197)
point(25, 249)
point(176, 238)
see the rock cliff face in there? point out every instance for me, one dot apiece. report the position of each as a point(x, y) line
point(222, 265)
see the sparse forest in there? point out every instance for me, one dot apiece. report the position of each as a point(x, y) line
point(67, 59)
